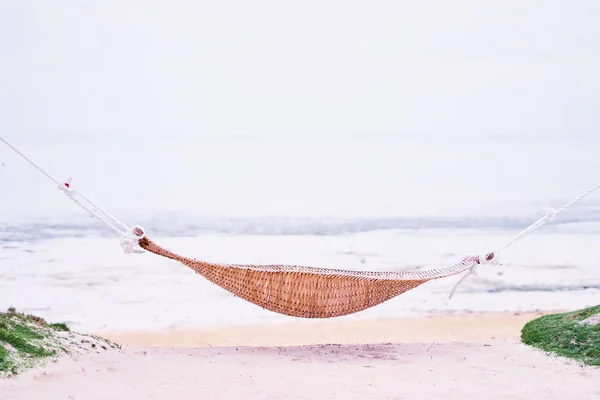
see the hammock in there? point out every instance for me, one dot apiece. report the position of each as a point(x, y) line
point(298, 291)
point(309, 292)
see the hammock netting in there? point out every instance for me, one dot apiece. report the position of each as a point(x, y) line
point(310, 292)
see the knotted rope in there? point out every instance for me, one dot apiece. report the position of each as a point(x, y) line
point(548, 217)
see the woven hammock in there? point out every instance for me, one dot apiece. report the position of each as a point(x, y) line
point(310, 292)
point(297, 291)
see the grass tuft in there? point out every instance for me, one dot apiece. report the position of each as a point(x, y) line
point(27, 341)
point(21, 334)
point(563, 335)
point(61, 326)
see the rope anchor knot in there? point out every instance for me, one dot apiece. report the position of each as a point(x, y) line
point(130, 241)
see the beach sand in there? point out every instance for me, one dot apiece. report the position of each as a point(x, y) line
point(440, 328)
point(492, 370)
point(439, 357)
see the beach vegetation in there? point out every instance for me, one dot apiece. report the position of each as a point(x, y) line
point(23, 339)
point(567, 335)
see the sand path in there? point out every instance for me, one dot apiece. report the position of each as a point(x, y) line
point(494, 369)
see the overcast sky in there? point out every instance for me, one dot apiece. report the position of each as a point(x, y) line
point(127, 69)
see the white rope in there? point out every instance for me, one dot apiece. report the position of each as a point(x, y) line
point(549, 217)
point(29, 161)
point(129, 235)
point(472, 271)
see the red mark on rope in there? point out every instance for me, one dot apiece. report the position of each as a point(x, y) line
point(67, 184)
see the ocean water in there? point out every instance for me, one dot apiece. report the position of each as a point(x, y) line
point(378, 204)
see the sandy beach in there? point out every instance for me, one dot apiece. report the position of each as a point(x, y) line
point(447, 356)
point(184, 338)
point(464, 327)
point(455, 370)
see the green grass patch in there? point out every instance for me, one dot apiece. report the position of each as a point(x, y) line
point(21, 338)
point(5, 361)
point(563, 335)
point(61, 326)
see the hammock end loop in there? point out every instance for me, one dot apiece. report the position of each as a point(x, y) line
point(488, 259)
point(484, 259)
point(131, 240)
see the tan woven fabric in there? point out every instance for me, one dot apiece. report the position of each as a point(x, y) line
point(310, 292)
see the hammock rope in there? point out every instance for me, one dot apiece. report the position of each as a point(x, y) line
point(300, 291)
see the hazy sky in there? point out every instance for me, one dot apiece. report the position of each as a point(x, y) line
point(127, 69)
